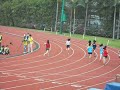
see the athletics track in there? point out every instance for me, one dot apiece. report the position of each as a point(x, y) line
point(59, 71)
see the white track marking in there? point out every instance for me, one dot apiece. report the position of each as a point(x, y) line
point(22, 86)
point(61, 50)
point(60, 72)
point(33, 58)
point(82, 80)
point(70, 83)
point(85, 65)
point(60, 66)
point(9, 70)
point(98, 84)
point(40, 65)
point(60, 85)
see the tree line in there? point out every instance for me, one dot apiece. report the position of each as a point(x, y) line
point(92, 17)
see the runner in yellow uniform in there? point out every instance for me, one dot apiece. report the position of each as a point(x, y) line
point(30, 47)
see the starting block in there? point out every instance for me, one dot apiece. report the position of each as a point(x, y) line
point(117, 78)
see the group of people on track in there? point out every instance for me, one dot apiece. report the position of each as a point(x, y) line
point(90, 48)
point(4, 50)
point(103, 51)
point(28, 43)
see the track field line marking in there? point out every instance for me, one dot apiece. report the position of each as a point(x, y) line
point(49, 80)
point(61, 50)
point(39, 77)
point(44, 64)
point(82, 80)
point(97, 84)
point(57, 67)
point(32, 58)
point(58, 85)
point(84, 51)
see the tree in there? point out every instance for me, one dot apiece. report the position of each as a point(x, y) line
point(73, 4)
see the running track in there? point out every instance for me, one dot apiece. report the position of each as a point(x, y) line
point(59, 71)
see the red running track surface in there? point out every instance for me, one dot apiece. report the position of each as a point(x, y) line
point(60, 70)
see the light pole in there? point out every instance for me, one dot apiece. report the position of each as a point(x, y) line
point(86, 17)
point(56, 17)
point(62, 16)
point(114, 22)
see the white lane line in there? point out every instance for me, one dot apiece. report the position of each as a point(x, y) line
point(82, 80)
point(44, 64)
point(36, 66)
point(32, 58)
point(60, 66)
point(81, 58)
point(61, 50)
point(92, 78)
point(22, 86)
point(70, 83)
point(68, 70)
point(97, 84)
point(60, 85)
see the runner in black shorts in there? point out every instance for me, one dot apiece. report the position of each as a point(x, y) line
point(94, 46)
point(68, 46)
point(68, 43)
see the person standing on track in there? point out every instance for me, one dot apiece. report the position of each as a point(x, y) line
point(48, 47)
point(90, 50)
point(25, 45)
point(0, 39)
point(94, 46)
point(30, 43)
point(68, 43)
point(105, 55)
point(101, 51)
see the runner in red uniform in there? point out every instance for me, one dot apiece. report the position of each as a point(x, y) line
point(105, 55)
point(47, 48)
